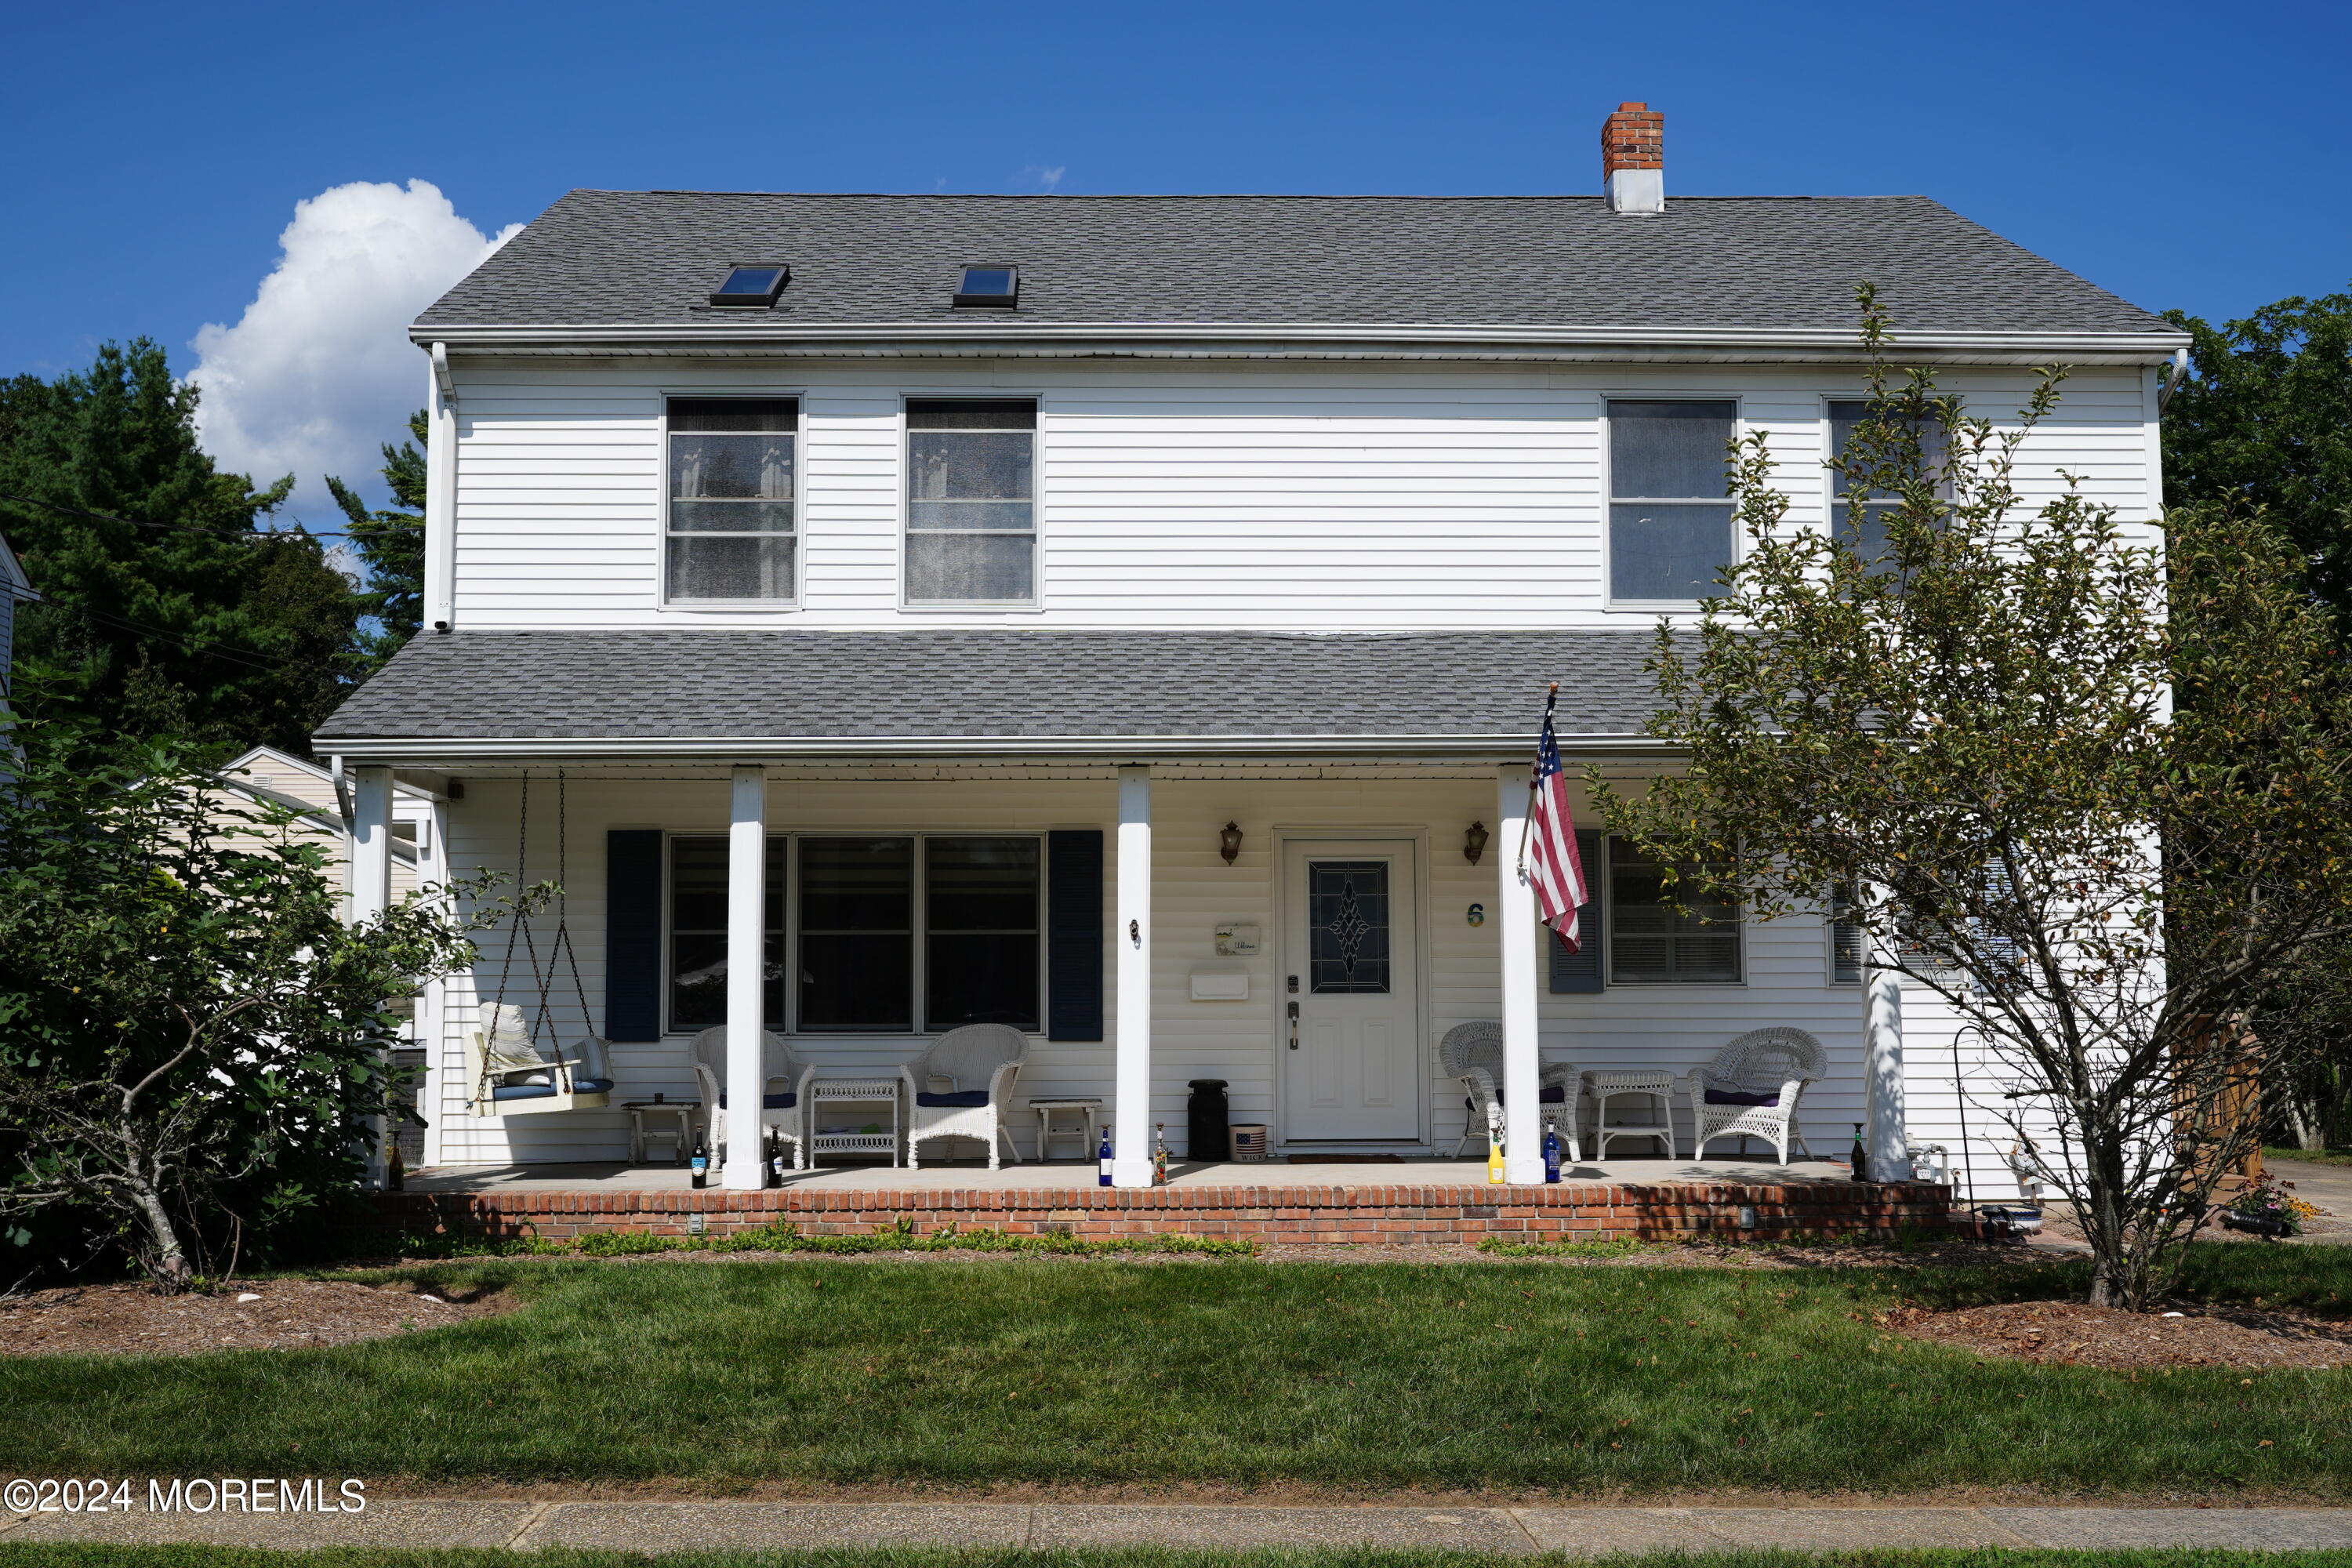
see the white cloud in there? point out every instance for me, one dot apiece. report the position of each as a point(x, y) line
point(319, 371)
point(1049, 179)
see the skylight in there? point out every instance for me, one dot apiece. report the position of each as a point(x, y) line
point(997, 286)
point(757, 285)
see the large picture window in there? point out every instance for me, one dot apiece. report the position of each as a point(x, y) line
point(857, 928)
point(1669, 521)
point(1652, 944)
point(731, 531)
point(697, 933)
point(972, 508)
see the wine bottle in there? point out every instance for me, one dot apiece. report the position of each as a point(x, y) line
point(1861, 1156)
point(700, 1164)
point(1551, 1151)
point(1494, 1174)
point(1160, 1153)
point(1102, 1161)
point(396, 1169)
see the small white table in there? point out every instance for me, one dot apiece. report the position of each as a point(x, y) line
point(639, 1108)
point(1654, 1086)
point(1044, 1106)
point(868, 1091)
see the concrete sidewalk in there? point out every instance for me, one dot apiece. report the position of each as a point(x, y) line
point(1508, 1532)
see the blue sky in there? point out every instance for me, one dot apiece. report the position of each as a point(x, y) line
point(2190, 155)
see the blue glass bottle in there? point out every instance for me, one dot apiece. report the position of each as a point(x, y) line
point(1102, 1161)
point(1550, 1150)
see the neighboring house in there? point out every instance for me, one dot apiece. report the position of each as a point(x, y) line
point(1123, 616)
point(15, 588)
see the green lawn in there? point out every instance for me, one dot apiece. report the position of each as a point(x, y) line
point(1140, 1557)
point(2310, 1157)
point(1522, 1376)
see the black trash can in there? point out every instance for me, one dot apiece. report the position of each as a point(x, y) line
point(1206, 1134)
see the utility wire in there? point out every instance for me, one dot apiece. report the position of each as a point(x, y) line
point(172, 527)
point(230, 651)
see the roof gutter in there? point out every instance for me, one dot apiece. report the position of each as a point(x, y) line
point(1289, 341)
point(962, 747)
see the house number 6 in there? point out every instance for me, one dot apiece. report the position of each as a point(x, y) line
point(1477, 914)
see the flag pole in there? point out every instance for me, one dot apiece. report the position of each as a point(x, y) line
point(1528, 821)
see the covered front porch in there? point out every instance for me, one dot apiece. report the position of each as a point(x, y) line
point(1307, 932)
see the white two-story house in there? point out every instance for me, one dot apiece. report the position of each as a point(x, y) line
point(1129, 619)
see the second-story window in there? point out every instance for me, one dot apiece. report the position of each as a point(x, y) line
point(1865, 526)
point(971, 510)
point(731, 529)
point(1669, 521)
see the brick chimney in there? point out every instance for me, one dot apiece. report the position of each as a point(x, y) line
point(1633, 159)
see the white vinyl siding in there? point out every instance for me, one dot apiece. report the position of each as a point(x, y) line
point(1280, 497)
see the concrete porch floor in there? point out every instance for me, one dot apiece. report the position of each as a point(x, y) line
point(973, 1175)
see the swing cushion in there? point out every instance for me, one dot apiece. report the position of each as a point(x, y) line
point(523, 1091)
point(959, 1097)
point(783, 1101)
point(592, 1085)
point(1743, 1097)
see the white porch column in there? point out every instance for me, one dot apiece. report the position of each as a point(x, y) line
point(371, 842)
point(1885, 1133)
point(747, 942)
point(370, 892)
point(1515, 922)
point(1131, 935)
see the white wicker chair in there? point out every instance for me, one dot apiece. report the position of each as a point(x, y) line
point(1768, 1066)
point(1472, 1054)
point(977, 1064)
point(783, 1101)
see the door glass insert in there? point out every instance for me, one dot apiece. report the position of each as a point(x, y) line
point(1348, 927)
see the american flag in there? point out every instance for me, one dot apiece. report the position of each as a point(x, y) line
point(1556, 869)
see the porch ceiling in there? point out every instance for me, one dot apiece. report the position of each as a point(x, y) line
point(1092, 696)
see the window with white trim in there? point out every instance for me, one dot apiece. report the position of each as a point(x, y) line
point(1846, 937)
point(1669, 518)
point(1863, 526)
point(1651, 943)
point(730, 531)
point(697, 933)
point(971, 500)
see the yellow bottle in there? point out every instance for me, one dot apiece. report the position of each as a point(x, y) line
point(1494, 1151)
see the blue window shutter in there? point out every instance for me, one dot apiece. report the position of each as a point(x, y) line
point(1581, 971)
point(1074, 934)
point(632, 924)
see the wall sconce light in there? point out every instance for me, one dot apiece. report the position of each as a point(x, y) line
point(1474, 843)
point(1229, 842)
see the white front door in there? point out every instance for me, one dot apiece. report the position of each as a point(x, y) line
point(1350, 1039)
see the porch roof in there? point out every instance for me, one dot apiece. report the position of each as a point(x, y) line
point(1029, 690)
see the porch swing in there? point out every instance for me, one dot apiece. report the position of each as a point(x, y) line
point(511, 1075)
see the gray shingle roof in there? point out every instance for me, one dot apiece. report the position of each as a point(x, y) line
point(651, 257)
point(1029, 683)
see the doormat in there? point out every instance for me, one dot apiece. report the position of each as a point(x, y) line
point(1347, 1159)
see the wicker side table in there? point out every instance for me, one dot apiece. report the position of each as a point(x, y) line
point(868, 1091)
point(1656, 1086)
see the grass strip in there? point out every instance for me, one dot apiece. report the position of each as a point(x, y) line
point(45, 1555)
point(1517, 1376)
point(1610, 1246)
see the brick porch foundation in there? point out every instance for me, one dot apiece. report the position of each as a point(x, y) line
point(1455, 1214)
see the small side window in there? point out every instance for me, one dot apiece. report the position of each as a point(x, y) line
point(1846, 937)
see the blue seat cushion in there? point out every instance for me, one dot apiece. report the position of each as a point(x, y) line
point(1743, 1097)
point(961, 1097)
point(592, 1085)
point(783, 1101)
point(523, 1091)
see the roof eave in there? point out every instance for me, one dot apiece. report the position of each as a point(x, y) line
point(417, 751)
point(1292, 341)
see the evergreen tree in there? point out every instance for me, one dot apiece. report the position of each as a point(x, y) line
point(166, 610)
point(392, 543)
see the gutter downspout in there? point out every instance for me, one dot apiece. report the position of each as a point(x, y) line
point(441, 497)
point(2172, 382)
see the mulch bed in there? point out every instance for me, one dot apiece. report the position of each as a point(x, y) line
point(2073, 1334)
point(126, 1317)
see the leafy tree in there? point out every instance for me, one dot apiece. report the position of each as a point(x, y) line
point(392, 543)
point(191, 1038)
point(1975, 734)
point(165, 610)
point(2265, 420)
